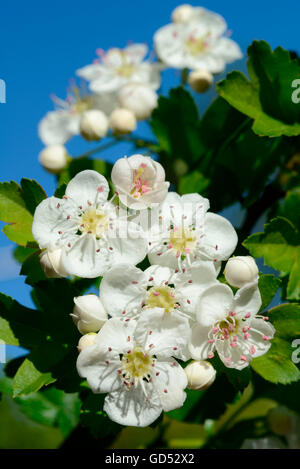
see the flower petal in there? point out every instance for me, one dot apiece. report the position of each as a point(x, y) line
point(114, 334)
point(191, 283)
point(247, 300)
point(165, 334)
point(99, 367)
point(58, 126)
point(159, 275)
point(50, 222)
point(214, 304)
point(123, 289)
point(220, 237)
point(88, 186)
point(198, 345)
point(131, 407)
point(128, 243)
point(169, 380)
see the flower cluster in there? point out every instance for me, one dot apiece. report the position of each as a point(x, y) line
point(123, 82)
point(146, 319)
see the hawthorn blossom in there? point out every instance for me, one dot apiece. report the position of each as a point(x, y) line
point(230, 326)
point(117, 67)
point(89, 314)
point(140, 181)
point(88, 228)
point(197, 44)
point(183, 233)
point(127, 291)
point(134, 362)
point(58, 126)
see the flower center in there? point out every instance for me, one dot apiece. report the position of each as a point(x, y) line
point(197, 45)
point(161, 297)
point(140, 185)
point(137, 363)
point(93, 222)
point(226, 328)
point(182, 240)
point(126, 70)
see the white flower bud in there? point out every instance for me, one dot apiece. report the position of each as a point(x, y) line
point(182, 14)
point(240, 270)
point(200, 80)
point(51, 263)
point(122, 121)
point(54, 158)
point(200, 374)
point(139, 98)
point(281, 420)
point(86, 340)
point(93, 124)
point(139, 181)
point(88, 314)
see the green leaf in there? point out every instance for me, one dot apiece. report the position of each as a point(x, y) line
point(13, 210)
point(28, 379)
point(280, 247)
point(93, 417)
point(193, 182)
point(32, 193)
point(277, 365)
point(175, 124)
point(21, 253)
point(291, 207)
point(6, 334)
point(267, 98)
point(268, 286)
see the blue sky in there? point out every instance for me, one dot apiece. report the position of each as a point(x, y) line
point(43, 43)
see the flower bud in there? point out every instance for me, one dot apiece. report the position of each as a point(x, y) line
point(281, 420)
point(88, 314)
point(122, 121)
point(240, 270)
point(93, 124)
point(139, 181)
point(200, 375)
point(182, 14)
point(54, 158)
point(139, 98)
point(86, 340)
point(51, 264)
point(200, 80)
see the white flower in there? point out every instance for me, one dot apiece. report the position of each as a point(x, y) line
point(140, 181)
point(122, 121)
point(182, 233)
point(133, 362)
point(182, 13)
point(54, 158)
point(139, 98)
point(86, 340)
point(200, 80)
point(51, 263)
point(126, 291)
point(230, 325)
point(89, 314)
point(88, 228)
point(93, 124)
point(240, 270)
point(200, 375)
point(120, 66)
point(58, 126)
point(198, 44)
